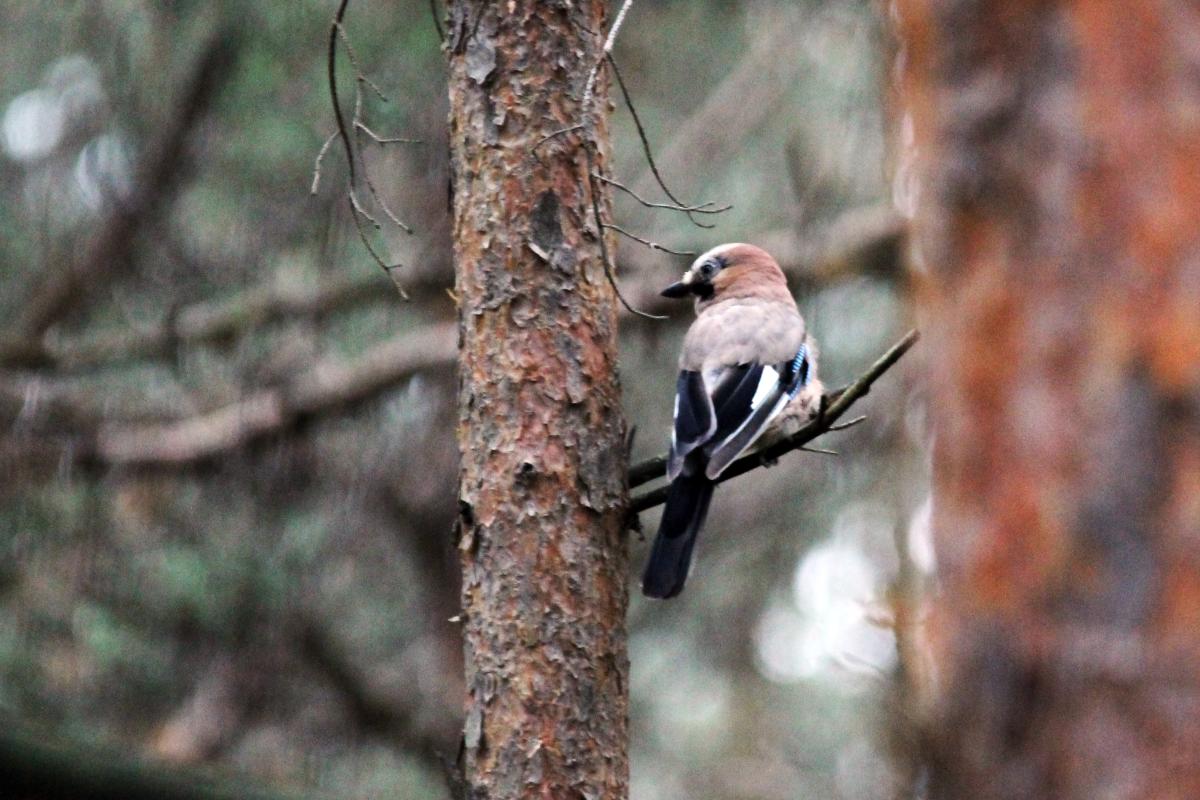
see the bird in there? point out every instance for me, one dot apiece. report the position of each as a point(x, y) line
point(747, 375)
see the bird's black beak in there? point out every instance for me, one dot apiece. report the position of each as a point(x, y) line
point(677, 289)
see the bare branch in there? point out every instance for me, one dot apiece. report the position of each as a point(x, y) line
point(360, 75)
point(647, 242)
point(556, 134)
point(590, 88)
point(334, 30)
point(358, 213)
point(361, 126)
point(704, 208)
point(355, 211)
point(213, 321)
point(646, 150)
point(316, 181)
point(650, 469)
point(609, 270)
point(849, 424)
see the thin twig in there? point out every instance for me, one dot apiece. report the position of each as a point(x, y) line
point(333, 91)
point(609, 270)
point(647, 242)
point(637, 122)
point(704, 208)
point(316, 181)
point(383, 265)
point(359, 129)
point(360, 75)
point(357, 212)
point(437, 20)
point(555, 134)
point(650, 469)
point(361, 126)
point(590, 87)
point(391, 215)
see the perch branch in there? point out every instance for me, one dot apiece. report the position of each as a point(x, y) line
point(839, 403)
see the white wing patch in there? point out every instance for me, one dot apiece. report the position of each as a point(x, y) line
point(674, 416)
point(767, 383)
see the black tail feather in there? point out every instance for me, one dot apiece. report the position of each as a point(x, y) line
point(683, 517)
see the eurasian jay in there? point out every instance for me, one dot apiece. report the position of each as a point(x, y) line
point(747, 373)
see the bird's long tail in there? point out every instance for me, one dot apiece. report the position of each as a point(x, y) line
point(682, 519)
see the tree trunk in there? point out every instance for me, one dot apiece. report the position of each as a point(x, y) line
point(541, 434)
point(1056, 153)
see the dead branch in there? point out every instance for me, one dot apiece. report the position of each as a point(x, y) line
point(610, 269)
point(704, 136)
point(862, 242)
point(704, 208)
point(647, 151)
point(590, 88)
point(358, 213)
point(652, 245)
point(838, 403)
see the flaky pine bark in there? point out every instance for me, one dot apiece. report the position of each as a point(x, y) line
point(1057, 149)
point(542, 492)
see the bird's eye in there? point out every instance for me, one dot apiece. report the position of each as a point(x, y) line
point(709, 268)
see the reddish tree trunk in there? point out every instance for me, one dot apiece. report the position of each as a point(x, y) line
point(542, 487)
point(1056, 151)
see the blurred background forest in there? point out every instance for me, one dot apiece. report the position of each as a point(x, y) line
point(228, 445)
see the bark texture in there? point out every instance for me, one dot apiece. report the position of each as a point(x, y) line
point(1056, 153)
point(542, 491)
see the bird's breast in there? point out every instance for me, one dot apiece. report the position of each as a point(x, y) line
point(742, 332)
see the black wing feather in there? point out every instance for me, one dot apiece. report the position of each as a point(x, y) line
point(694, 419)
point(738, 425)
point(732, 398)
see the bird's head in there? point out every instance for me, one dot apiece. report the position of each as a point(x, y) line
point(730, 270)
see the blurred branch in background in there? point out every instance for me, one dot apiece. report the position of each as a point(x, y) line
point(206, 322)
point(871, 246)
point(754, 88)
point(328, 386)
point(107, 252)
point(36, 765)
point(374, 710)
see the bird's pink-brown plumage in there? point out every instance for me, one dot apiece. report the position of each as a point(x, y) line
point(747, 373)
